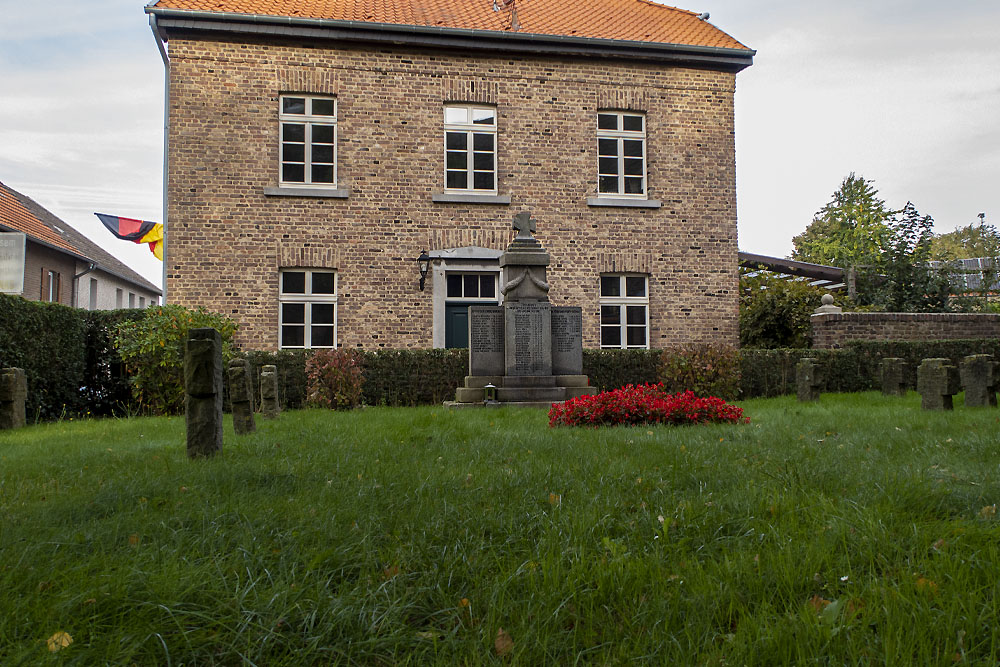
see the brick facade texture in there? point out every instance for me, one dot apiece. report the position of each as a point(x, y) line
point(227, 239)
point(38, 261)
point(832, 330)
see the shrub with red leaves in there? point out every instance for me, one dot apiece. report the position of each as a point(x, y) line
point(644, 404)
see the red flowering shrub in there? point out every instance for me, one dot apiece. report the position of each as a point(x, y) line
point(644, 404)
point(333, 380)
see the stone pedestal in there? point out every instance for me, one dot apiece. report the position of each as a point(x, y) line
point(808, 380)
point(937, 382)
point(979, 380)
point(893, 374)
point(203, 392)
point(13, 394)
point(269, 405)
point(241, 397)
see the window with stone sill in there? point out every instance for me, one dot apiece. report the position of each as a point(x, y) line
point(621, 154)
point(624, 311)
point(308, 141)
point(470, 149)
point(307, 309)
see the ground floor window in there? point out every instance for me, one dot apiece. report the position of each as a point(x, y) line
point(624, 311)
point(464, 289)
point(307, 308)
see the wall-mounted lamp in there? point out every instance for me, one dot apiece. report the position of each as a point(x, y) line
point(424, 264)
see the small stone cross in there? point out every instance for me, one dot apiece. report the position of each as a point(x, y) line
point(524, 223)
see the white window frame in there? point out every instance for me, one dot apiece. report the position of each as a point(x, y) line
point(470, 129)
point(623, 302)
point(309, 121)
point(620, 135)
point(484, 300)
point(308, 298)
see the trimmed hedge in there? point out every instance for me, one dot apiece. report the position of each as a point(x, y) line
point(412, 377)
point(611, 369)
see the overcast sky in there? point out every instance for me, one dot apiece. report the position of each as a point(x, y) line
point(903, 92)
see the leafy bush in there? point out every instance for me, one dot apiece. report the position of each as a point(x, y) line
point(706, 370)
point(645, 404)
point(291, 365)
point(412, 377)
point(334, 379)
point(152, 348)
point(774, 313)
point(611, 369)
point(105, 388)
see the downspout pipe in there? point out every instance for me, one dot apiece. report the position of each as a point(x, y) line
point(166, 137)
point(76, 282)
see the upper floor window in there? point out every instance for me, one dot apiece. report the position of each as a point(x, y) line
point(625, 311)
point(307, 308)
point(308, 152)
point(470, 149)
point(621, 154)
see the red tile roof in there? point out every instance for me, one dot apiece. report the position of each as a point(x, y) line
point(15, 215)
point(633, 20)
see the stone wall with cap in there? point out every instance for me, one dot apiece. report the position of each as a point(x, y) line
point(833, 330)
point(228, 237)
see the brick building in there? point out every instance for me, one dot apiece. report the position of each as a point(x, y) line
point(317, 148)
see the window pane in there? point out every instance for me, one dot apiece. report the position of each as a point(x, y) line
point(293, 336)
point(482, 142)
point(635, 336)
point(632, 123)
point(322, 313)
point(293, 132)
point(633, 166)
point(293, 282)
point(456, 115)
point(607, 147)
point(635, 286)
point(322, 107)
point(471, 283)
point(607, 121)
point(457, 180)
point(635, 315)
point(611, 286)
point(456, 160)
point(482, 180)
point(322, 173)
point(293, 105)
point(322, 134)
point(611, 315)
point(611, 337)
point(295, 173)
point(632, 148)
point(324, 283)
point(293, 152)
point(321, 336)
point(607, 165)
point(482, 161)
point(483, 117)
point(455, 141)
point(607, 184)
point(454, 285)
point(322, 154)
point(633, 186)
point(293, 313)
point(487, 287)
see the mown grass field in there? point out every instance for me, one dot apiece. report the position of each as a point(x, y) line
point(855, 530)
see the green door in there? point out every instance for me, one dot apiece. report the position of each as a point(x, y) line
point(456, 324)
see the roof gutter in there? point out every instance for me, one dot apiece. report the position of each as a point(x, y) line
point(727, 59)
point(166, 134)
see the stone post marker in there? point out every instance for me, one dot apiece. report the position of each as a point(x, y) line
point(13, 392)
point(269, 405)
point(893, 373)
point(808, 380)
point(241, 397)
point(937, 382)
point(203, 392)
point(979, 380)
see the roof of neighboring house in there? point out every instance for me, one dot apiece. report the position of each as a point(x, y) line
point(22, 214)
point(629, 20)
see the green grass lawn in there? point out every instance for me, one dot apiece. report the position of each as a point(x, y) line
point(858, 529)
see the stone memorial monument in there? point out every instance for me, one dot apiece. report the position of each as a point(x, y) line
point(269, 405)
point(979, 380)
point(241, 397)
point(531, 351)
point(203, 392)
point(808, 380)
point(893, 373)
point(937, 382)
point(13, 393)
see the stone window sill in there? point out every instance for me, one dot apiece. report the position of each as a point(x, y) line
point(623, 203)
point(457, 198)
point(306, 191)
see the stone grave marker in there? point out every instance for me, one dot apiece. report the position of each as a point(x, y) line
point(203, 392)
point(979, 380)
point(937, 382)
point(269, 405)
point(893, 373)
point(13, 393)
point(486, 343)
point(241, 397)
point(808, 380)
point(567, 340)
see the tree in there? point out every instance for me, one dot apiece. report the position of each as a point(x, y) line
point(974, 240)
point(849, 231)
point(774, 313)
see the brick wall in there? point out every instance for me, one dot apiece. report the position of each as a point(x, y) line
point(834, 329)
point(227, 239)
point(38, 261)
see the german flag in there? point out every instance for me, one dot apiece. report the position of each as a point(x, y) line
point(136, 231)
